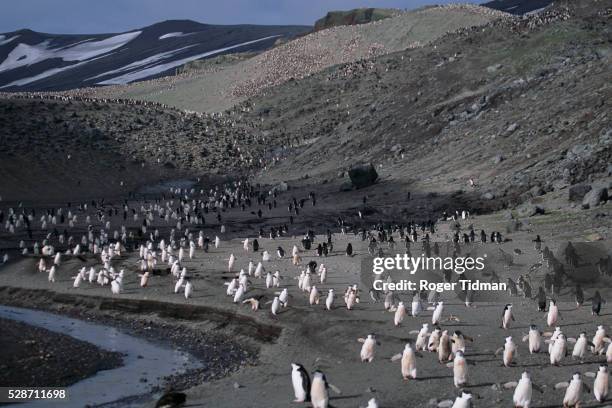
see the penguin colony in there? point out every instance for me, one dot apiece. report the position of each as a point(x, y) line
point(114, 230)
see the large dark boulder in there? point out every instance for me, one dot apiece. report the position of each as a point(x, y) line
point(578, 191)
point(363, 175)
point(594, 197)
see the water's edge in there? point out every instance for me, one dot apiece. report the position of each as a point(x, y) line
point(144, 365)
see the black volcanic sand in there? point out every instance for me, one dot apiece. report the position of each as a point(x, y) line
point(32, 356)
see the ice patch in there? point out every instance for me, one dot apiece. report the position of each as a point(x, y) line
point(147, 72)
point(48, 73)
point(149, 60)
point(170, 35)
point(25, 54)
point(4, 40)
point(536, 11)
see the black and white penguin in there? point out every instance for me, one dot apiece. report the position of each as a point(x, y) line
point(301, 383)
point(541, 299)
point(579, 296)
point(596, 302)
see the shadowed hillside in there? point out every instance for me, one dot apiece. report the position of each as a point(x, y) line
point(353, 17)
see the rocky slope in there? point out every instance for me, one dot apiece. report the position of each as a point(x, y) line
point(352, 17)
point(219, 88)
point(498, 115)
point(69, 147)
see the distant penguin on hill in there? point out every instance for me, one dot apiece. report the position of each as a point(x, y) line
point(349, 249)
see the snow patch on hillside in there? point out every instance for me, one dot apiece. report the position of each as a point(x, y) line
point(48, 73)
point(25, 54)
point(4, 40)
point(147, 61)
point(170, 35)
point(158, 69)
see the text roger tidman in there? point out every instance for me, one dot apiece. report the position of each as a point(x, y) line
point(411, 265)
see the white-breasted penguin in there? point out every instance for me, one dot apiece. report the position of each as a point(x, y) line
point(400, 313)
point(329, 300)
point(581, 346)
point(319, 395)
point(553, 313)
point(558, 350)
point(437, 313)
point(421, 341)
point(368, 348)
point(301, 383)
point(507, 316)
point(600, 386)
point(408, 362)
point(463, 401)
point(524, 391)
point(460, 370)
point(573, 393)
point(534, 338)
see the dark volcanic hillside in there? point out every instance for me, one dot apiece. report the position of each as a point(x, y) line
point(57, 148)
point(37, 61)
point(518, 6)
point(352, 17)
point(521, 108)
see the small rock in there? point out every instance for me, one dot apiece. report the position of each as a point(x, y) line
point(494, 68)
point(346, 186)
point(510, 385)
point(594, 237)
point(529, 210)
point(498, 159)
point(590, 374)
point(445, 404)
point(236, 386)
point(488, 196)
